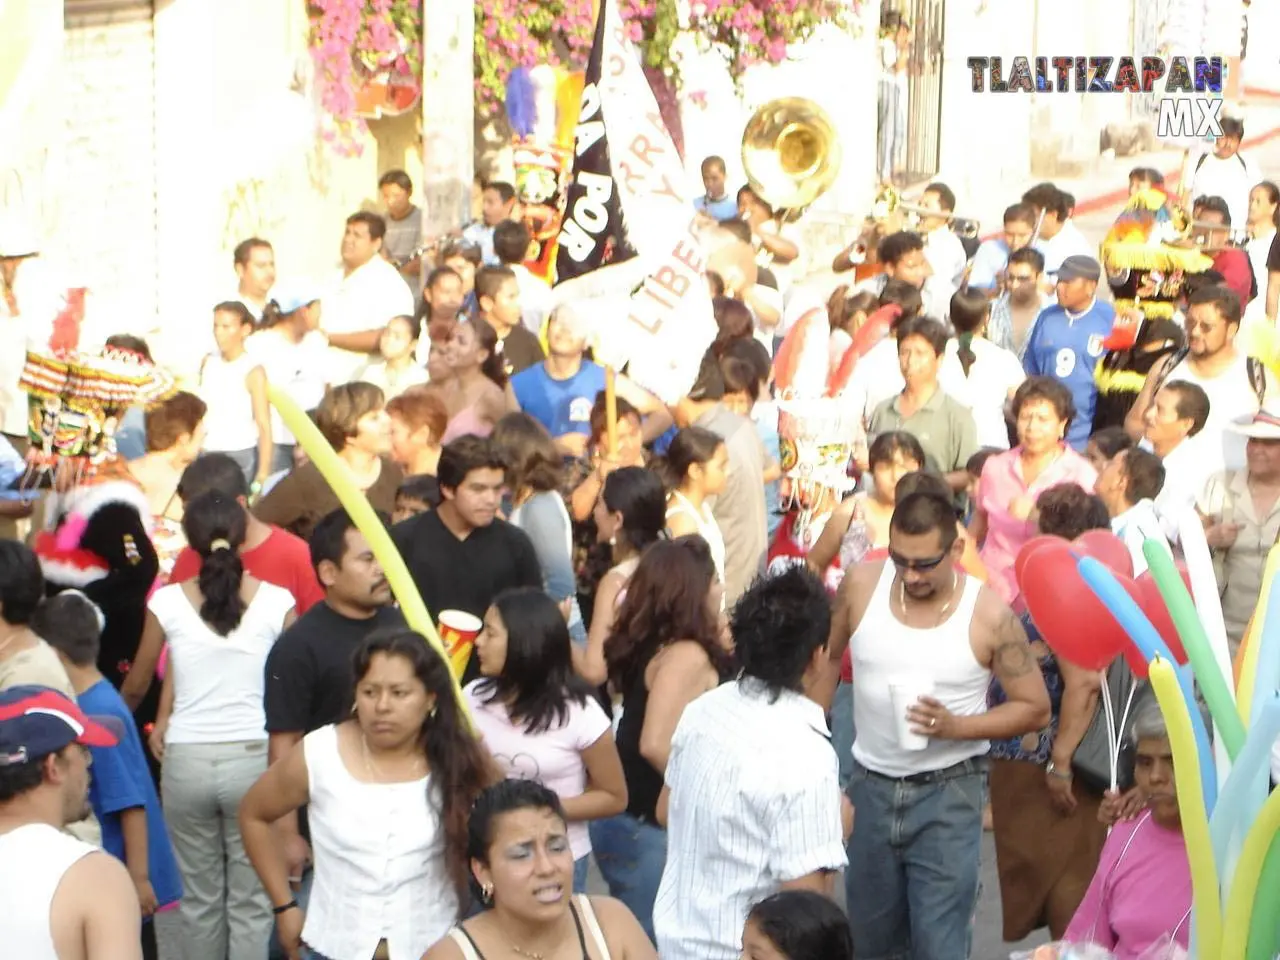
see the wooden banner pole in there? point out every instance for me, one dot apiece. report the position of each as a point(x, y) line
point(611, 412)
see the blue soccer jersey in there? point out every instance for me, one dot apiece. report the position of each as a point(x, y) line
point(1068, 350)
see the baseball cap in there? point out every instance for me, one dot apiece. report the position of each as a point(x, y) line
point(37, 721)
point(293, 296)
point(1079, 268)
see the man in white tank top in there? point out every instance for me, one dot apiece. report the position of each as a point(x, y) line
point(925, 641)
point(63, 899)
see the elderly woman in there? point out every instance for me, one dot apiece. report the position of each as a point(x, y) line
point(353, 419)
point(1141, 892)
point(1003, 510)
point(1047, 832)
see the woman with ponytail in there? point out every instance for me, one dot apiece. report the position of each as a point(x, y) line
point(211, 730)
point(978, 373)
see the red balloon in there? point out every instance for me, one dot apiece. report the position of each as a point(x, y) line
point(1071, 619)
point(1147, 595)
point(1028, 548)
point(1108, 549)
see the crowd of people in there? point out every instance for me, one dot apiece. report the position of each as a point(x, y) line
point(724, 676)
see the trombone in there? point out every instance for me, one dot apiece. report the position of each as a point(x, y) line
point(888, 201)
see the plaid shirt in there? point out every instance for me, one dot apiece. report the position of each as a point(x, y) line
point(1000, 323)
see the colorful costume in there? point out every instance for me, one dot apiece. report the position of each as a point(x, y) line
point(96, 535)
point(1147, 256)
point(542, 109)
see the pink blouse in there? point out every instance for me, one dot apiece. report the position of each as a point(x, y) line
point(1001, 484)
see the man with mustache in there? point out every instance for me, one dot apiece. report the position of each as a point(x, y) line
point(308, 674)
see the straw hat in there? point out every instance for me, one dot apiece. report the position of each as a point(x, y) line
point(1263, 425)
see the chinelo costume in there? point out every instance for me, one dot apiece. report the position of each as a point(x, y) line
point(96, 534)
point(1148, 257)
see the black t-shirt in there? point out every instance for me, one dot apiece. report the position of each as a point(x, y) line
point(520, 350)
point(453, 574)
point(1273, 255)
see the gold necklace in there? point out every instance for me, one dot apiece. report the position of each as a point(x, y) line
point(902, 598)
point(526, 953)
point(374, 773)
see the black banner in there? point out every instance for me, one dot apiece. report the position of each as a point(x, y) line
point(593, 233)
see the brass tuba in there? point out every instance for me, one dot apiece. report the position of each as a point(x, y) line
point(790, 152)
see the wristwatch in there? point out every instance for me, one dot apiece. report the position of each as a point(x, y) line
point(1052, 770)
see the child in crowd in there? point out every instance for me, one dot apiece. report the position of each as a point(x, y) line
point(1145, 178)
point(121, 791)
point(1105, 444)
point(418, 494)
point(797, 925)
point(398, 369)
point(974, 469)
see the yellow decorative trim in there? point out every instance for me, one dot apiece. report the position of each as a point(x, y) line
point(1151, 309)
point(1143, 256)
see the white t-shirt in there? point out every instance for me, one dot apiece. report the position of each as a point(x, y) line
point(218, 681)
point(945, 253)
point(1230, 179)
point(876, 377)
point(996, 372)
point(298, 369)
point(1067, 242)
point(367, 299)
point(552, 757)
point(1231, 397)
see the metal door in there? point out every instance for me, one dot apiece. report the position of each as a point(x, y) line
point(108, 234)
point(924, 87)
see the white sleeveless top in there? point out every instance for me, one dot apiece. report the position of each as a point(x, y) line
point(379, 861)
point(229, 423)
point(706, 525)
point(1231, 396)
point(585, 914)
point(883, 650)
point(35, 858)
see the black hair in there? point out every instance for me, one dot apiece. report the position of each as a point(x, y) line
point(969, 311)
point(436, 275)
point(689, 446)
point(924, 511)
point(533, 461)
point(921, 481)
point(460, 767)
point(777, 625)
point(420, 487)
point(127, 341)
point(713, 161)
point(974, 465)
point(489, 281)
point(1067, 510)
point(17, 779)
point(1147, 174)
point(746, 190)
point(716, 283)
point(804, 925)
point(1144, 473)
point(465, 249)
point(1048, 389)
point(889, 444)
point(72, 624)
point(505, 796)
point(215, 529)
point(897, 245)
point(1215, 205)
point(1111, 441)
point(638, 494)
point(467, 453)
point(930, 330)
point(1047, 197)
point(756, 355)
point(737, 228)
point(21, 583)
point(740, 375)
point(328, 541)
point(946, 196)
point(212, 472)
point(600, 414)
point(376, 224)
point(1030, 256)
point(1232, 127)
point(905, 295)
point(537, 682)
point(733, 322)
point(397, 178)
point(1020, 213)
point(503, 189)
point(511, 240)
point(244, 250)
point(414, 323)
point(237, 310)
point(1190, 403)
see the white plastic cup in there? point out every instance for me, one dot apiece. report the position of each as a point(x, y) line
point(904, 693)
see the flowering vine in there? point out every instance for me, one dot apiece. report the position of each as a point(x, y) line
point(355, 42)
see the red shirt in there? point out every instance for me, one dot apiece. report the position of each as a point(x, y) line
point(283, 560)
point(1237, 273)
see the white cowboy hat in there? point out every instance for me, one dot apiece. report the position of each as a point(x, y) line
point(17, 239)
point(1263, 425)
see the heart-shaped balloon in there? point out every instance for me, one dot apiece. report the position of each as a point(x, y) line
point(1071, 619)
point(1153, 605)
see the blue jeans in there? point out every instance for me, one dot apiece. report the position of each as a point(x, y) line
point(892, 128)
point(246, 460)
point(912, 887)
point(281, 458)
point(581, 868)
point(303, 896)
point(631, 854)
point(842, 732)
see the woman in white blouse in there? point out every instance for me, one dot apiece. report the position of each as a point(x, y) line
point(540, 721)
point(211, 729)
point(978, 373)
point(388, 794)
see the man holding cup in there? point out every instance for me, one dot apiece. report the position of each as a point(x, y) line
point(925, 639)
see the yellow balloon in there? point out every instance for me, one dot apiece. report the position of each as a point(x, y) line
point(362, 515)
point(1195, 821)
point(1249, 666)
point(1244, 886)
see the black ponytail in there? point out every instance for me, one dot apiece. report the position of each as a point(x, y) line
point(969, 311)
point(215, 529)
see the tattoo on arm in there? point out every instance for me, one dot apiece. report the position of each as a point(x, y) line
point(1013, 657)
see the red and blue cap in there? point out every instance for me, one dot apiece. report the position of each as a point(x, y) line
point(37, 721)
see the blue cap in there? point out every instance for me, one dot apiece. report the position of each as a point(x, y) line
point(37, 721)
point(294, 296)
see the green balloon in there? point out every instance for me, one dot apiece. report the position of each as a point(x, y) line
point(1217, 695)
point(1264, 923)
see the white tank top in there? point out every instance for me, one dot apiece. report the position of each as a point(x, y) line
point(708, 529)
point(229, 423)
point(35, 858)
point(883, 650)
point(1231, 396)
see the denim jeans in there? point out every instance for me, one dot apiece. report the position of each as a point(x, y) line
point(631, 854)
point(842, 732)
point(892, 128)
point(581, 869)
point(281, 458)
point(226, 915)
point(912, 884)
point(246, 460)
point(303, 896)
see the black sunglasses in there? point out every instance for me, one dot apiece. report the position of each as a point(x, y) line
point(919, 566)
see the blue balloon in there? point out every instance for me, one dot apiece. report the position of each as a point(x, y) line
point(1150, 644)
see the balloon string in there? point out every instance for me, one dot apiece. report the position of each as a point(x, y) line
point(1109, 714)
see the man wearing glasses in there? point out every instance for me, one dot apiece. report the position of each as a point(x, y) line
point(926, 640)
point(1014, 312)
